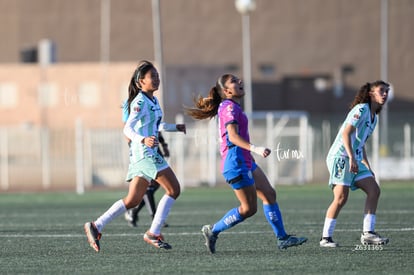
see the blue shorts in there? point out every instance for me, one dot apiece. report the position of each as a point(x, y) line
point(339, 172)
point(239, 178)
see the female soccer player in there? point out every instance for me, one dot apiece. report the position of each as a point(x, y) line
point(146, 164)
point(131, 216)
point(238, 167)
point(348, 164)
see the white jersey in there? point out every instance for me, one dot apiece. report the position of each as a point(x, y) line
point(360, 118)
point(144, 121)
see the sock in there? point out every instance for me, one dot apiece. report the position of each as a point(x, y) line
point(161, 214)
point(328, 227)
point(229, 220)
point(114, 211)
point(274, 217)
point(369, 222)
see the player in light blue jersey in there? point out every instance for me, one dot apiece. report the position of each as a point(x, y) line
point(131, 216)
point(348, 163)
point(237, 164)
point(146, 164)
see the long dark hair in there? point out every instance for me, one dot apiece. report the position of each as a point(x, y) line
point(207, 107)
point(133, 90)
point(363, 95)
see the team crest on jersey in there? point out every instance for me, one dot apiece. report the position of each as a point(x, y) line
point(356, 116)
point(137, 109)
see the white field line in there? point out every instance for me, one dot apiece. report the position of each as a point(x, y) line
point(406, 229)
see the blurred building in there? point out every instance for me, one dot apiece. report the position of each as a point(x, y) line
point(62, 62)
point(309, 55)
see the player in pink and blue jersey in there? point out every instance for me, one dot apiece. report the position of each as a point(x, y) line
point(230, 112)
point(237, 164)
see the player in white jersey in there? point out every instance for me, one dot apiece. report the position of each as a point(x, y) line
point(348, 163)
point(146, 163)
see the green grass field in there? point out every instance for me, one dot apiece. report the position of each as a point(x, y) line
point(42, 233)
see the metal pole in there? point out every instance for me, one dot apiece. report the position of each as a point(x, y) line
point(270, 140)
point(158, 51)
point(247, 73)
point(407, 148)
point(105, 30)
point(4, 159)
point(45, 157)
point(105, 50)
point(79, 145)
point(384, 76)
point(180, 153)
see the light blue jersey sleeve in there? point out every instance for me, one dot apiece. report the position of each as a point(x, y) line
point(357, 115)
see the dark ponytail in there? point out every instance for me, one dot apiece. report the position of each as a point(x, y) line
point(207, 107)
point(133, 90)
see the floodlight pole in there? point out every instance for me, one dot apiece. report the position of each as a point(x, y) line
point(384, 76)
point(245, 7)
point(158, 50)
point(105, 30)
point(247, 65)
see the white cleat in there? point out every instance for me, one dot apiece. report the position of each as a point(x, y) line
point(374, 238)
point(327, 242)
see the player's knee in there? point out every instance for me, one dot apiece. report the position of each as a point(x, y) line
point(131, 202)
point(271, 195)
point(176, 194)
point(173, 192)
point(248, 211)
point(375, 192)
point(341, 201)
